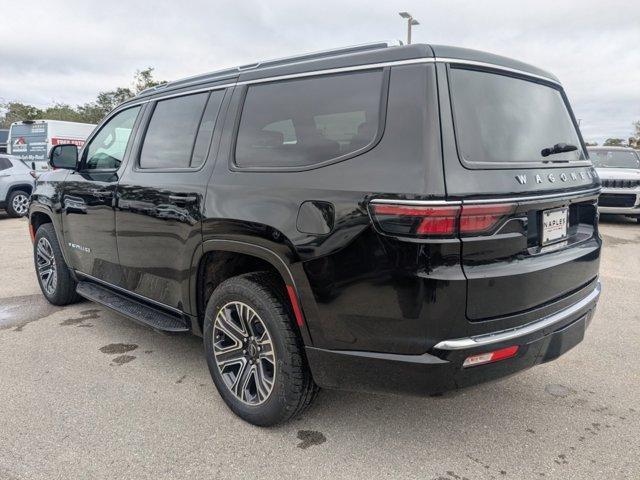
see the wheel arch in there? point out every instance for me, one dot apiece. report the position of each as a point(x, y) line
point(40, 215)
point(25, 187)
point(291, 274)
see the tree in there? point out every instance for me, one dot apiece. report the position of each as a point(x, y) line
point(16, 111)
point(591, 144)
point(143, 79)
point(635, 140)
point(613, 142)
point(91, 112)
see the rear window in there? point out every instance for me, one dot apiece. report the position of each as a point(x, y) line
point(303, 122)
point(614, 159)
point(506, 120)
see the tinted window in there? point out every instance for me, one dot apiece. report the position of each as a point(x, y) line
point(5, 163)
point(614, 158)
point(172, 132)
point(302, 122)
point(106, 150)
point(502, 119)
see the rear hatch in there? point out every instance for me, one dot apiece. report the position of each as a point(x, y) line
point(516, 162)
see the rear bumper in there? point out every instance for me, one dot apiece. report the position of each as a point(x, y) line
point(441, 369)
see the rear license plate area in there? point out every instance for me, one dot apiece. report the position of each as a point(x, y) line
point(554, 226)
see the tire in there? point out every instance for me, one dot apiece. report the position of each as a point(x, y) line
point(280, 365)
point(54, 277)
point(18, 204)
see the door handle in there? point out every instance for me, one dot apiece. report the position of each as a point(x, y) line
point(183, 198)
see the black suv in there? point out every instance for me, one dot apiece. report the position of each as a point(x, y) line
point(407, 219)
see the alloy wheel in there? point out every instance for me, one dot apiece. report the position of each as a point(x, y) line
point(47, 271)
point(244, 353)
point(20, 204)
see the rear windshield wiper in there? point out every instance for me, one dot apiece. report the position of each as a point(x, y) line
point(558, 148)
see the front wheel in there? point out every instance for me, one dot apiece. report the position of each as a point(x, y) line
point(254, 352)
point(18, 204)
point(54, 277)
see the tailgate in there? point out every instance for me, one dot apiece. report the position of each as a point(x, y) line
point(515, 159)
point(515, 270)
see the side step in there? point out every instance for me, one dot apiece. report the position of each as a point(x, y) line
point(133, 309)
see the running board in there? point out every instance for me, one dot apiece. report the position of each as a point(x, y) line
point(133, 309)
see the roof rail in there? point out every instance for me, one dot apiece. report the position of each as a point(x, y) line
point(319, 54)
point(234, 71)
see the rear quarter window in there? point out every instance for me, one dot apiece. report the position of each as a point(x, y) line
point(309, 121)
point(502, 120)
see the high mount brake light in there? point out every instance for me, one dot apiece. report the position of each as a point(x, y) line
point(439, 221)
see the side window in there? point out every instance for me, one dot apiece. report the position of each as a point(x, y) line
point(302, 122)
point(171, 135)
point(5, 163)
point(107, 148)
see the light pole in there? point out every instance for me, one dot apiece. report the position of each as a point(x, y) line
point(410, 21)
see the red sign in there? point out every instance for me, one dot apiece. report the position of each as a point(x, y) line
point(62, 141)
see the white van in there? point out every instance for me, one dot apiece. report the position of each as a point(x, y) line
point(31, 140)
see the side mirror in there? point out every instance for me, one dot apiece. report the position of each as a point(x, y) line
point(33, 165)
point(64, 156)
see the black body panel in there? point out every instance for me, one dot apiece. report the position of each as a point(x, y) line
point(374, 305)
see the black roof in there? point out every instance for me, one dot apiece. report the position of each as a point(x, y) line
point(344, 57)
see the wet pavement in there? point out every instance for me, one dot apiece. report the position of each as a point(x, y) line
point(86, 393)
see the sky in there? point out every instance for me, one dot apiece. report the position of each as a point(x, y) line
point(68, 50)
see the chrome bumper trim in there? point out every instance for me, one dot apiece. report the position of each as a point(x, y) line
point(517, 332)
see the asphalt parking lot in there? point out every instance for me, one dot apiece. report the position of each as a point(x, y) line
point(86, 393)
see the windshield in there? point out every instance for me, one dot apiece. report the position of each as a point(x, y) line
point(614, 159)
point(501, 119)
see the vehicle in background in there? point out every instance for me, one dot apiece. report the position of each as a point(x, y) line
point(31, 140)
point(370, 219)
point(619, 171)
point(16, 184)
point(4, 135)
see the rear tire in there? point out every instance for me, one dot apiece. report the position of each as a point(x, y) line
point(54, 276)
point(254, 351)
point(18, 204)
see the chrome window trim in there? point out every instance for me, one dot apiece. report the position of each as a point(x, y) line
point(517, 332)
point(474, 63)
point(352, 68)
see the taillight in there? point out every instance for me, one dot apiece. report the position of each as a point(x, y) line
point(477, 219)
point(417, 221)
point(443, 221)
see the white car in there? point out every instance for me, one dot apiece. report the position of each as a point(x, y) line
point(619, 170)
point(16, 183)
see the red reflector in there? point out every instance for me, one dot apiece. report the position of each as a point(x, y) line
point(294, 304)
point(490, 357)
point(482, 218)
point(32, 232)
point(410, 220)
